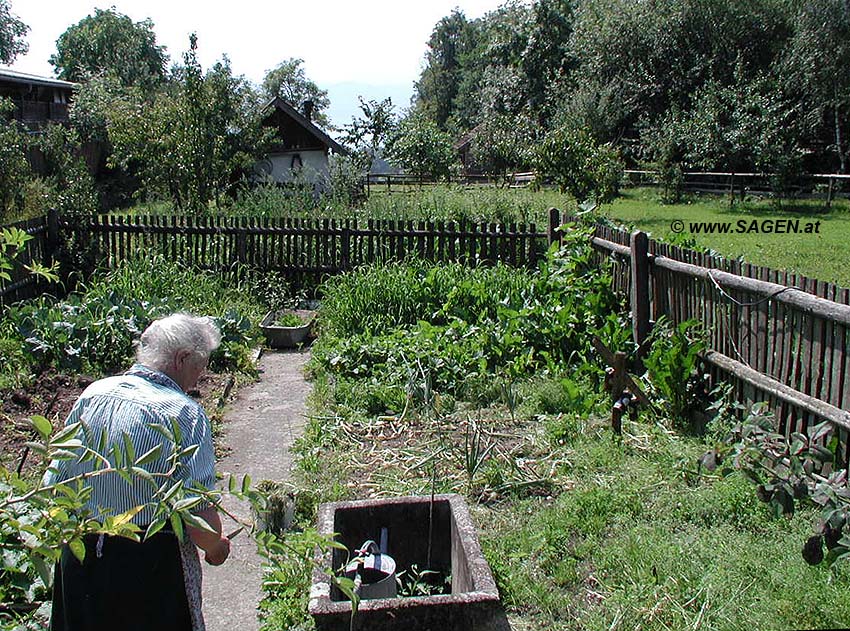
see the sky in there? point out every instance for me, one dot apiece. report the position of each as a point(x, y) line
point(374, 48)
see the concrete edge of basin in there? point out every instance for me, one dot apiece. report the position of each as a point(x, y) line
point(483, 590)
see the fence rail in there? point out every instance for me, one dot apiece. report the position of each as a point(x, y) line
point(774, 335)
point(306, 250)
point(821, 185)
point(402, 181)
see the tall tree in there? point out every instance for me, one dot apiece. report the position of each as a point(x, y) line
point(289, 81)
point(816, 71)
point(438, 86)
point(547, 57)
point(109, 42)
point(654, 55)
point(12, 32)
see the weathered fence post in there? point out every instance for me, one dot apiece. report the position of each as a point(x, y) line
point(830, 191)
point(52, 232)
point(241, 239)
point(552, 232)
point(346, 247)
point(640, 288)
point(618, 386)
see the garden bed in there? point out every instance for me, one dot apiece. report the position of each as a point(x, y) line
point(53, 395)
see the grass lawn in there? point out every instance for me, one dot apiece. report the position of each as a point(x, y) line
point(823, 256)
point(431, 202)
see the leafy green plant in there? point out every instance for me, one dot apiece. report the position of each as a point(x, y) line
point(474, 452)
point(12, 242)
point(289, 320)
point(803, 468)
point(672, 366)
point(416, 582)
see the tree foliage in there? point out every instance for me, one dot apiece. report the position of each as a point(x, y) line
point(14, 168)
point(369, 133)
point(438, 87)
point(109, 42)
point(755, 85)
point(12, 33)
point(503, 143)
point(579, 165)
point(193, 141)
point(289, 81)
point(421, 147)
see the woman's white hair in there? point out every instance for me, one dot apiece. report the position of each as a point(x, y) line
point(166, 337)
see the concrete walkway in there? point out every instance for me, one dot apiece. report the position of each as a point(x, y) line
point(260, 427)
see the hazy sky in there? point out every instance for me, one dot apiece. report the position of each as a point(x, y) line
point(372, 47)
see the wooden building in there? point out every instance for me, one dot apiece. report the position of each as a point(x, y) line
point(37, 100)
point(302, 150)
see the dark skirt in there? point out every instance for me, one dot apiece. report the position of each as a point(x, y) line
point(130, 586)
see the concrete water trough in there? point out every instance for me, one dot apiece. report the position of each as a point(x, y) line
point(409, 523)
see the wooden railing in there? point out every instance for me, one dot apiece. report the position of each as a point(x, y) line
point(774, 335)
point(737, 185)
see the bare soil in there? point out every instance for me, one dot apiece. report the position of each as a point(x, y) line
point(52, 395)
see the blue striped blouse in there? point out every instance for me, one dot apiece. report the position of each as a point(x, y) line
point(129, 404)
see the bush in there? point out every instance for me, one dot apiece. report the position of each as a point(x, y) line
point(672, 367)
point(580, 166)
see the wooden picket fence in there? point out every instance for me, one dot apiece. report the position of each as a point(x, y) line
point(305, 251)
point(23, 285)
point(776, 336)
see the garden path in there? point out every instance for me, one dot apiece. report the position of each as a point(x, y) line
point(259, 428)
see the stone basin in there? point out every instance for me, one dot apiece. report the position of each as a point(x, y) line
point(472, 605)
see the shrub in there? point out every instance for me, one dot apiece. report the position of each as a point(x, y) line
point(580, 166)
point(672, 367)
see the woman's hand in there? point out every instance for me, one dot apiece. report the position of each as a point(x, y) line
point(218, 553)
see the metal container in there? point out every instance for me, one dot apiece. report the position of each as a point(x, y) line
point(373, 573)
point(286, 336)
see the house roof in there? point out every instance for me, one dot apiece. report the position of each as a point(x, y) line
point(467, 138)
point(13, 76)
point(303, 121)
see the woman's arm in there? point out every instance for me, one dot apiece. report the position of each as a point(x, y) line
point(216, 546)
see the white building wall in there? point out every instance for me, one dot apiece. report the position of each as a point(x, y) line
point(314, 167)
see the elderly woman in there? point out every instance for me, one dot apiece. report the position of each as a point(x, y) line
point(155, 584)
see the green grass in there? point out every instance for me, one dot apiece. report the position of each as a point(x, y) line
point(476, 203)
point(432, 202)
point(640, 544)
point(823, 256)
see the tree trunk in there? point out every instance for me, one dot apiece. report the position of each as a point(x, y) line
point(839, 140)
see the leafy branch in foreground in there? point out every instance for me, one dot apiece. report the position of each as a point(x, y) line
point(801, 468)
point(12, 242)
point(37, 519)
